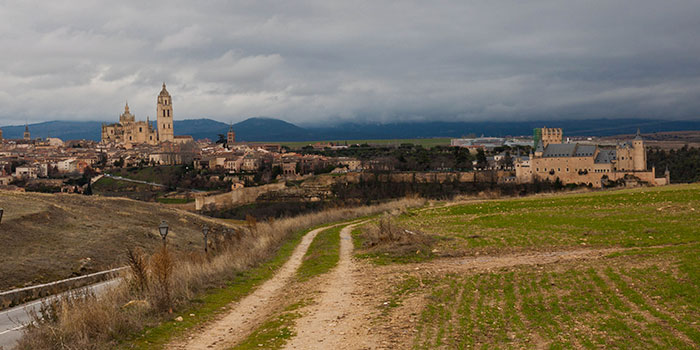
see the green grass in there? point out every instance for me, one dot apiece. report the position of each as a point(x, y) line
point(211, 303)
point(426, 142)
point(323, 254)
point(646, 297)
point(154, 174)
point(175, 200)
point(589, 307)
point(275, 331)
point(625, 218)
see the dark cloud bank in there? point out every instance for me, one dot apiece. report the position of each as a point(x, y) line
point(315, 62)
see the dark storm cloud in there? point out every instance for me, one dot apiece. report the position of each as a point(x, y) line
point(321, 61)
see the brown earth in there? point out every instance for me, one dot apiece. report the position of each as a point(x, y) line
point(351, 306)
point(47, 237)
point(244, 316)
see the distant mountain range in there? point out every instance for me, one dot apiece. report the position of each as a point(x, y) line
point(276, 130)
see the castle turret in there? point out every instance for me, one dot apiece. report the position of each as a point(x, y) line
point(164, 116)
point(539, 149)
point(639, 154)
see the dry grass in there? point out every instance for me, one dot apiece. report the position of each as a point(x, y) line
point(171, 281)
point(391, 242)
point(48, 237)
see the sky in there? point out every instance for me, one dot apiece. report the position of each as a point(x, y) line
point(324, 62)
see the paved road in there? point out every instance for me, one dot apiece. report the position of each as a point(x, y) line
point(12, 321)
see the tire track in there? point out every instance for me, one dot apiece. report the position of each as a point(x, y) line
point(250, 311)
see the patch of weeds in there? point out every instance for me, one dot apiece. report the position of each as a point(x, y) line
point(386, 242)
point(323, 254)
point(275, 332)
point(211, 303)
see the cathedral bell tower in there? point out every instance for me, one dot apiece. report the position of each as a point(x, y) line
point(164, 116)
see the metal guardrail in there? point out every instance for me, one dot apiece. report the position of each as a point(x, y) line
point(19, 296)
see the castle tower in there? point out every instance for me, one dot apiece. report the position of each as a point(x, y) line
point(26, 136)
point(639, 154)
point(230, 136)
point(164, 116)
point(551, 135)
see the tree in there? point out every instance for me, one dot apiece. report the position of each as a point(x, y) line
point(507, 161)
point(481, 158)
point(222, 140)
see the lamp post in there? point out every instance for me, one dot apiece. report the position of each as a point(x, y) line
point(163, 229)
point(2, 211)
point(205, 231)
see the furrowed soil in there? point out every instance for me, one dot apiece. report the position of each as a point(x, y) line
point(613, 269)
point(47, 237)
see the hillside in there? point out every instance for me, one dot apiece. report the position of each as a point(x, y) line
point(49, 237)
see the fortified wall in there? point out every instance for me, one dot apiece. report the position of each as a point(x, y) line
point(319, 187)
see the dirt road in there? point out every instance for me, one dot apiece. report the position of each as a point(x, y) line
point(338, 318)
point(247, 314)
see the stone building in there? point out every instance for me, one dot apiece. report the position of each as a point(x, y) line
point(128, 131)
point(26, 135)
point(548, 135)
point(230, 137)
point(575, 163)
point(164, 114)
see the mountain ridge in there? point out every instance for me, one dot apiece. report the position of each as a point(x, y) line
point(277, 130)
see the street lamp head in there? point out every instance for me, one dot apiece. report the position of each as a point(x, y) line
point(163, 229)
point(205, 230)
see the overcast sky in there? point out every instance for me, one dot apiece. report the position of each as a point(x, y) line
point(324, 61)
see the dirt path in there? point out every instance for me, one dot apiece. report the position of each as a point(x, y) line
point(338, 319)
point(251, 311)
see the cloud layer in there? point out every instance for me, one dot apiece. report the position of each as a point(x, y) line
point(314, 62)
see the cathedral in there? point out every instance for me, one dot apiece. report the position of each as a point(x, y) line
point(128, 131)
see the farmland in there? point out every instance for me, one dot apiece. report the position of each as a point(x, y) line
point(595, 270)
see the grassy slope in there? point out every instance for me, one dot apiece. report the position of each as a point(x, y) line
point(46, 236)
point(210, 304)
point(627, 218)
point(648, 297)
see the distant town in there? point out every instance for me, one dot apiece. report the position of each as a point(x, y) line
point(55, 165)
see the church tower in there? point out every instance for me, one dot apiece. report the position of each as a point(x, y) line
point(639, 154)
point(26, 135)
point(164, 116)
point(230, 137)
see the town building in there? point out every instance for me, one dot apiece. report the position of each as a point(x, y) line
point(589, 164)
point(26, 135)
point(230, 137)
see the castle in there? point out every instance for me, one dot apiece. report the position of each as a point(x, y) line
point(590, 164)
point(128, 131)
